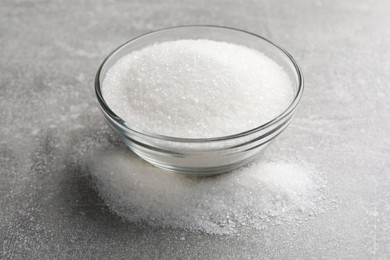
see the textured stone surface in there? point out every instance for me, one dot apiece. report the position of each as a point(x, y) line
point(49, 53)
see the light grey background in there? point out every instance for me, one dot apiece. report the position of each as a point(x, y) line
point(49, 53)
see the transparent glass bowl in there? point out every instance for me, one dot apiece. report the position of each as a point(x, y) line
point(203, 156)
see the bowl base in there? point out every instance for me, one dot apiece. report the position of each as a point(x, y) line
point(199, 171)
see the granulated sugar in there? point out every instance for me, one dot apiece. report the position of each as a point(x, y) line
point(259, 196)
point(197, 88)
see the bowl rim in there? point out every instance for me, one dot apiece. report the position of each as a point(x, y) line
point(141, 132)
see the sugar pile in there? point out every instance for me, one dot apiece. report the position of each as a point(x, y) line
point(260, 195)
point(197, 88)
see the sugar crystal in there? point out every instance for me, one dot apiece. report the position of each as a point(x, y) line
point(196, 88)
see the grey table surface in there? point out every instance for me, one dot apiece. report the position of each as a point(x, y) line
point(49, 53)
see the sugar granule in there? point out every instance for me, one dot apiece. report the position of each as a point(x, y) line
point(196, 88)
point(258, 196)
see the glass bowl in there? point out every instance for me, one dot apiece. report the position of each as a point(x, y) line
point(201, 156)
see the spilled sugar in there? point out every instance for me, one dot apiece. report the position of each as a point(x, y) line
point(197, 88)
point(258, 196)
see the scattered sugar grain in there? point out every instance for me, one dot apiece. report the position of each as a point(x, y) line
point(258, 196)
point(197, 88)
